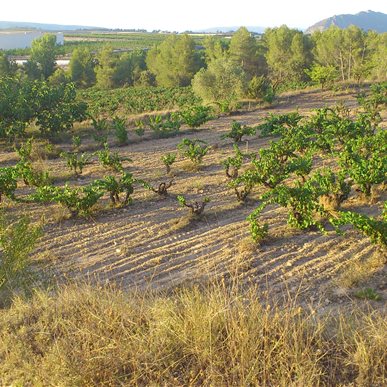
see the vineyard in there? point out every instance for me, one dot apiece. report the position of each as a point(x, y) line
point(181, 209)
point(292, 197)
point(137, 100)
point(128, 41)
point(149, 238)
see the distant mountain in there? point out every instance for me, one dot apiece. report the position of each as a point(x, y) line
point(368, 20)
point(214, 30)
point(11, 25)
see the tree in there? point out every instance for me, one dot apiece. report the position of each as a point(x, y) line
point(214, 48)
point(260, 87)
point(32, 70)
point(324, 75)
point(43, 52)
point(58, 107)
point(223, 80)
point(348, 50)
point(7, 68)
point(105, 69)
point(128, 68)
point(244, 51)
point(59, 76)
point(288, 54)
point(377, 57)
point(174, 62)
point(81, 67)
point(17, 106)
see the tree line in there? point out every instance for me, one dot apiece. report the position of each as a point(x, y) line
point(243, 66)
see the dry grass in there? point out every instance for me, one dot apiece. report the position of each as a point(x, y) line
point(358, 271)
point(211, 336)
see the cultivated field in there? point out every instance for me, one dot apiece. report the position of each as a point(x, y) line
point(153, 243)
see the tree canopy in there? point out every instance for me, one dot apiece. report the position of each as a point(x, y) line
point(43, 52)
point(223, 80)
point(174, 62)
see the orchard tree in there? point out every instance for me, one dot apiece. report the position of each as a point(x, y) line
point(58, 108)
point(43, 52)
point(174, 62)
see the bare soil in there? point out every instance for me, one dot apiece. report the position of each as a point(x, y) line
point(152, 243)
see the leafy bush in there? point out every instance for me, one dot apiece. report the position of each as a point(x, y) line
point(238, 131)
point(101, 127)
point(260, 88)
point(232, 164)
point(119, 125)
point(376, 230)
point(195, 116)
point(17, 107)
point(111, 160)
point(324, 75)
point(168, 159)
point(195, 150)
point(8, 182)
point(17, 240)
point(300, 201)
point(24, 167)
point(274, 165)
point(76, 161)
point(58, 108)
point(374, 101)
point(276, 124)
point(330, 186)
point(139, 130)
point(365, 160)
point(258, 232)
point(116, 186)
point(78, 201)
point(166, 126)
point(30, 176)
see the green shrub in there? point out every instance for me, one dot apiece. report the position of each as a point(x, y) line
point(195, 150)
point(119, 125)
point(17, 240)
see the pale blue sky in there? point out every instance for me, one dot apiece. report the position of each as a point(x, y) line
point(183, 15)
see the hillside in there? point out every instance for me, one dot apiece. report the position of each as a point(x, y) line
point(4, 25)
point(368, 20)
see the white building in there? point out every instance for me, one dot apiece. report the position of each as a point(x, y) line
point(23, 39)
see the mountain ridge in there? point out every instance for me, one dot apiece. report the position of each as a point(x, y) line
point(366, 20)
point(14, 25)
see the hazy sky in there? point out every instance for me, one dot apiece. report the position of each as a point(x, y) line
point(183, 15)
